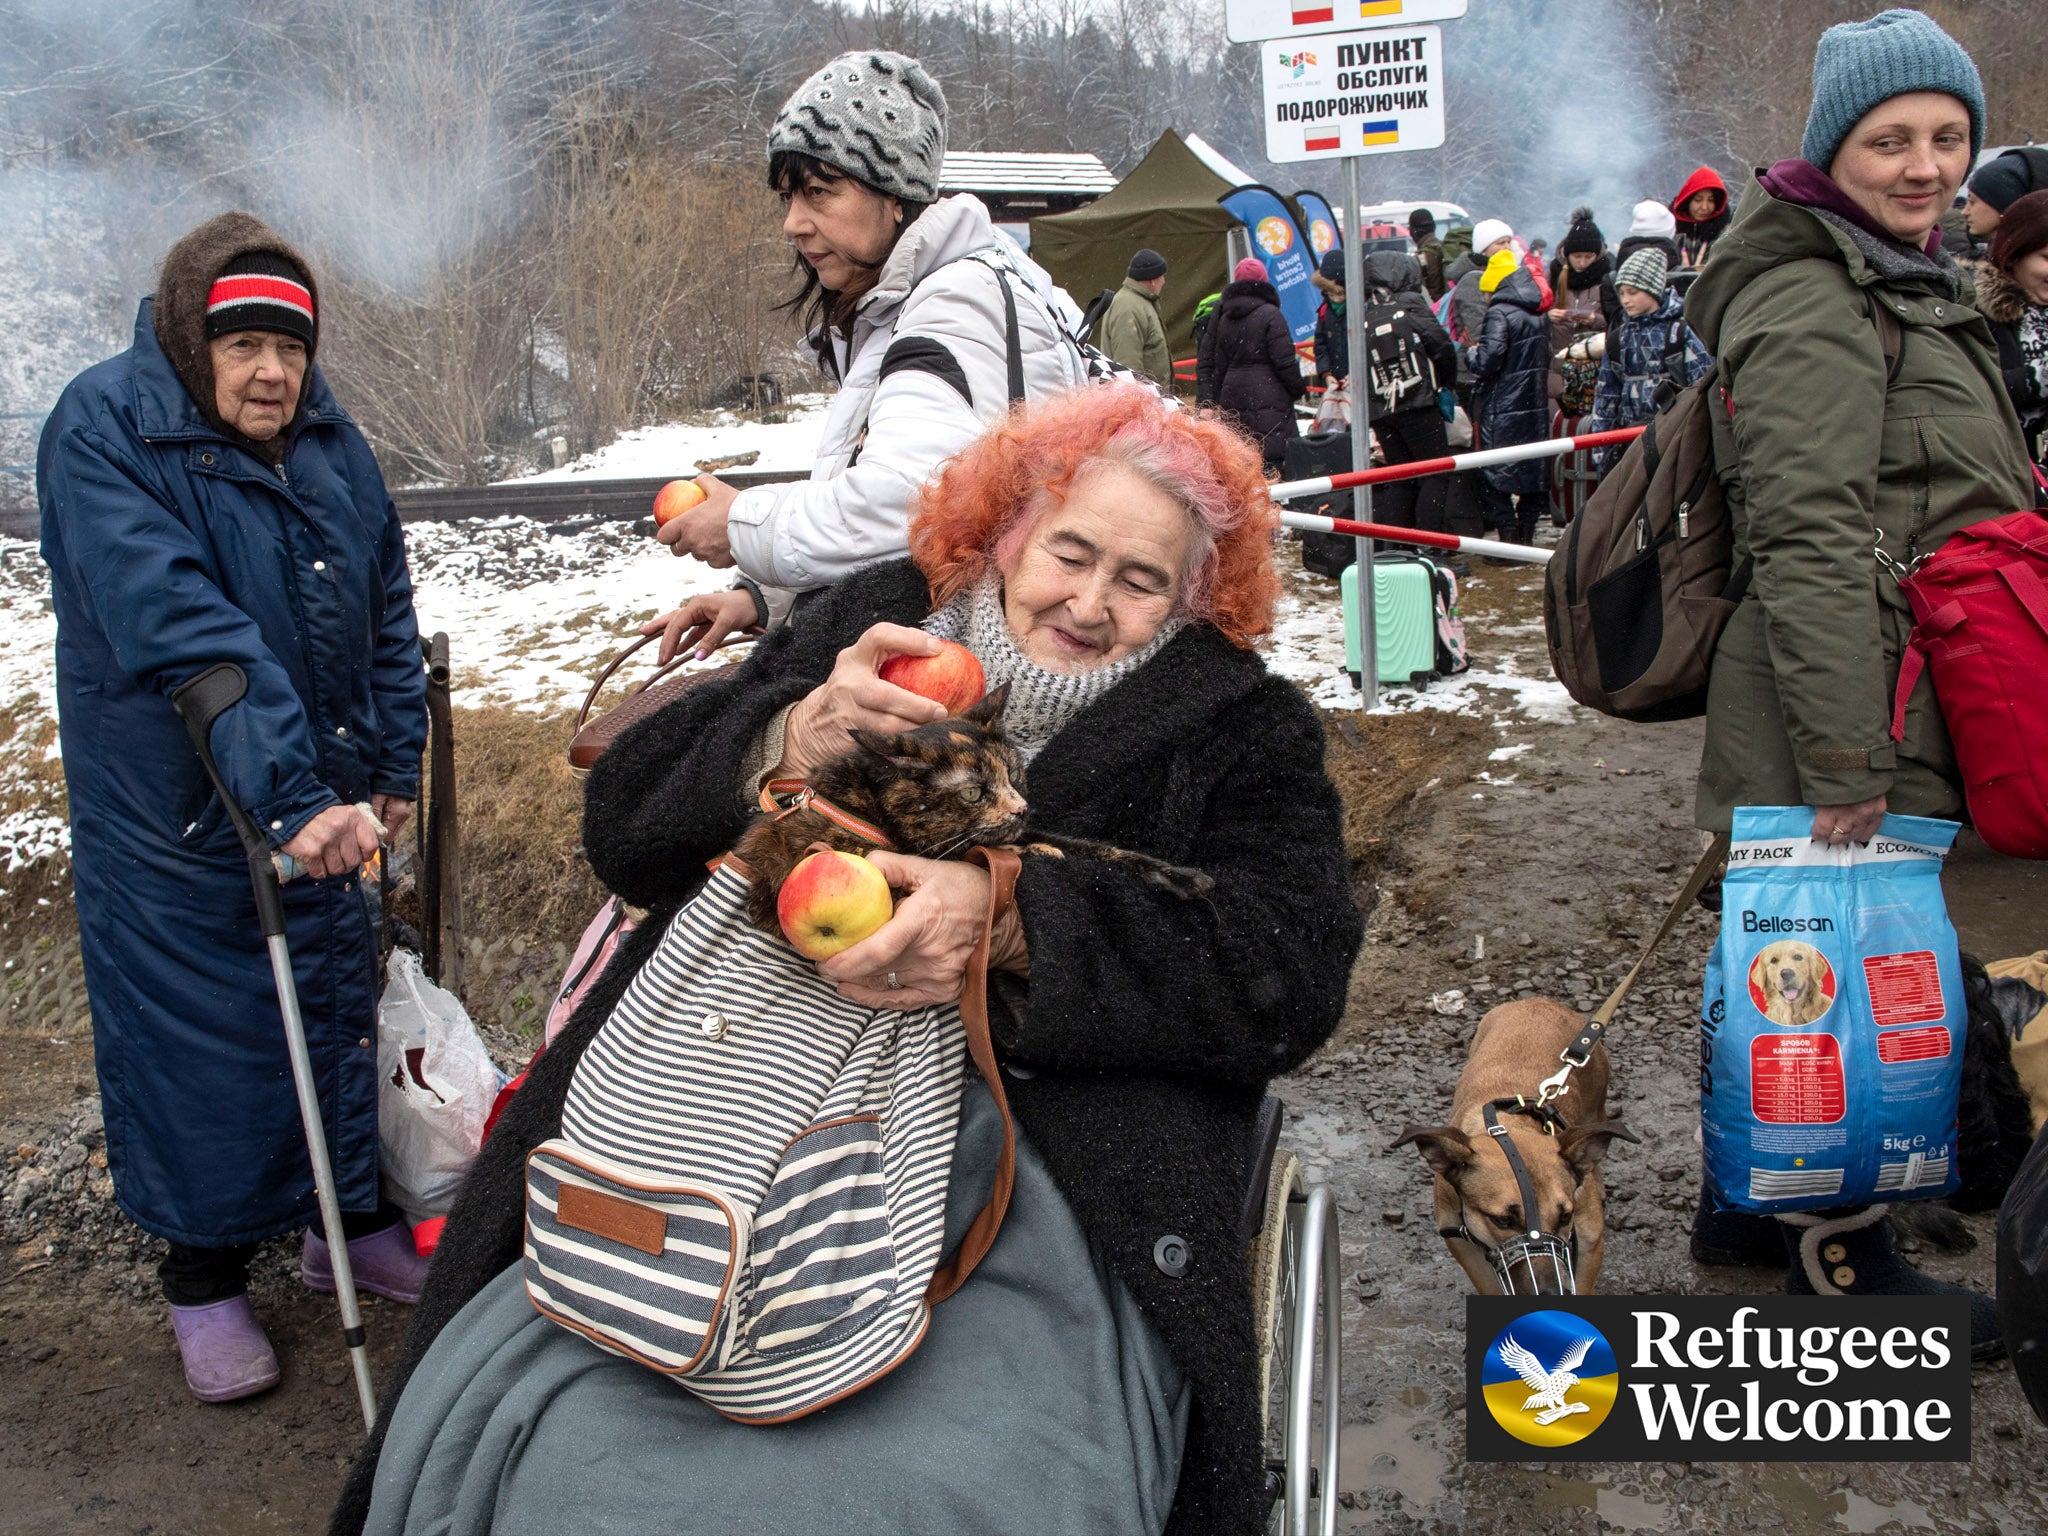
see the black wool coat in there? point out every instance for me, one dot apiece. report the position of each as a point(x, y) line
point(1247, 365)
point(1148, 1029)
point(1512, 365)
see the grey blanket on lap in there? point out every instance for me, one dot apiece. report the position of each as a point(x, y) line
point(1040, 1403)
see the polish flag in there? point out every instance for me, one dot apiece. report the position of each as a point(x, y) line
point(1322, 136)
point(1308, 12)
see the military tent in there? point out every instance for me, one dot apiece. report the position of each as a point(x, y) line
point(1168, 202)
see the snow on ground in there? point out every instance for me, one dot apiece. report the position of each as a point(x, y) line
point(676, 447)
point(530, 616)
point(28, 634)
point(31, 830)
point(530, 613)
point(1307, 646)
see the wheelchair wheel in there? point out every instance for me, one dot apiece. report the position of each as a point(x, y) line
point(1294, 1290)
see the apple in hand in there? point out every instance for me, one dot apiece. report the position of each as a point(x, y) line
point(831, 901)
point(952, 678)
point(676, 498)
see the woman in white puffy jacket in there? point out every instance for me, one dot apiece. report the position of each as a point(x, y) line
point(909, 297)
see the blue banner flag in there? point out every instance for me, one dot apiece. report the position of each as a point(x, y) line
point(1278, 241)
point(1325, 234)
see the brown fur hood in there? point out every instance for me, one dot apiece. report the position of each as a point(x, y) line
point(182, 287)
point(1999, 298)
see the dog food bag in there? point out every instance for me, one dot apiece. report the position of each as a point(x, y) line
point(1831, 1031)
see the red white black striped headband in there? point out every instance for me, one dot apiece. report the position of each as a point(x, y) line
point(245, 289)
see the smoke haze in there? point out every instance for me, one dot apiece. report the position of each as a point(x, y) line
point(419, 150)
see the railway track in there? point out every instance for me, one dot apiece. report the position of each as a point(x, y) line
point(561, 501)
point(553, 502)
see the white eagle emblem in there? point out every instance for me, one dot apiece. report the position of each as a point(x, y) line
point(1549, 1387)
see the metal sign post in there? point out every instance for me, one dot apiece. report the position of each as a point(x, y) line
point(1359, 380)
point(1376, 89)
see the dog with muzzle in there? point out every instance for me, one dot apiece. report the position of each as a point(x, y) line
point(1478, 1199)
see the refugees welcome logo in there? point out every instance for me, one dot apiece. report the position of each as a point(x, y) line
point(1717, 1378)
point(1550, 1378)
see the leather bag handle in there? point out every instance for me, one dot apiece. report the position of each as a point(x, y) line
point(675, 661)
point(1003, 866)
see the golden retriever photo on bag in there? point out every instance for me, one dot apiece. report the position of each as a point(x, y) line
point(1792, 983)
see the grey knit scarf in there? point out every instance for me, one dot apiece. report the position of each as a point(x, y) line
point(1894, 260)
point(1041, 703)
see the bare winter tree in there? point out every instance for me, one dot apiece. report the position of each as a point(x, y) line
point(1736, 77)
point(533, 217)
point(662, 270)
point(415, 158)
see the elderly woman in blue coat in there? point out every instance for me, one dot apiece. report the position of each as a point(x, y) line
point(204, 499)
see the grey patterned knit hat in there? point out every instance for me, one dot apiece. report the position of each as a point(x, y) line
point(1644, 269)
point(876, 116)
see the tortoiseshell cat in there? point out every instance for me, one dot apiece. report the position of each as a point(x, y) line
point(935, 792)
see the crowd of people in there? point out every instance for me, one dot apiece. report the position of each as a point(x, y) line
point(1107, 558)
point(1600, 338)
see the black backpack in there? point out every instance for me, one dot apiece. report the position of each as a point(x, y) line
point(1402, 378)
point(1643, 582)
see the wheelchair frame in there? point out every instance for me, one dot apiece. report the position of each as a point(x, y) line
point(1295, 1264)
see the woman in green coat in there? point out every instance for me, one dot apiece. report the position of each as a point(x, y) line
point(1843, 467)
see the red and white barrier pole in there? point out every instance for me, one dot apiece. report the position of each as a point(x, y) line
point(1527, 554)
point(1546, 448)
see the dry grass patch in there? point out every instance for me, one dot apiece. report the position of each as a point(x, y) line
point(527, 888)
point(42, 981)
point(522, 824)
point(528, 891)
point(1381, 764)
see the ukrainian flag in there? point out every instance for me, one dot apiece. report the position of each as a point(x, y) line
point(1378, 8)
point(1546, 1343)
point(1386, 131)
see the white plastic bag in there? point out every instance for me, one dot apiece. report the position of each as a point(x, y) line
point(1333, 411)
point(435, 1087)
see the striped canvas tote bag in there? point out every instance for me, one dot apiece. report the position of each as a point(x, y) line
point(749, 1191)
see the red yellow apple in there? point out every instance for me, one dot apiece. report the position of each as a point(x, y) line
point(831, 901)
point(676, 498)
point(952, 678)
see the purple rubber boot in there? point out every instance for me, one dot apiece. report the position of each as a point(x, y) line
point(384, 1263)
point(225, 1353)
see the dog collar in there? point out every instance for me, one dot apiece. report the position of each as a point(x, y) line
point(785, 797)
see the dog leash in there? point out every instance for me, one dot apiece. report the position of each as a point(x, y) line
point(1580, 1051)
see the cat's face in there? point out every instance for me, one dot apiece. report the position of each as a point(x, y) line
point(948, 786)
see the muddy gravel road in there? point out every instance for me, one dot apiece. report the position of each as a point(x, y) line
point(1510, 845)
point(1542, 871)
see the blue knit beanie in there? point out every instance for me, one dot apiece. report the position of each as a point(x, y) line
point(1862, 63)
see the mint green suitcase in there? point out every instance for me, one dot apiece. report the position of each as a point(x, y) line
point(1406, 625)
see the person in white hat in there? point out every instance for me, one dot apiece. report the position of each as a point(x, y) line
point(1652, 226)
point(1468, 306)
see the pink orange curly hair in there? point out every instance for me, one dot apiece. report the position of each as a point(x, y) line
point(983, 504)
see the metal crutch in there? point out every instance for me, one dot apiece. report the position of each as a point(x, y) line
point(199, 703)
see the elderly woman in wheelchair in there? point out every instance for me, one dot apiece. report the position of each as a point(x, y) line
point(1109, 560)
